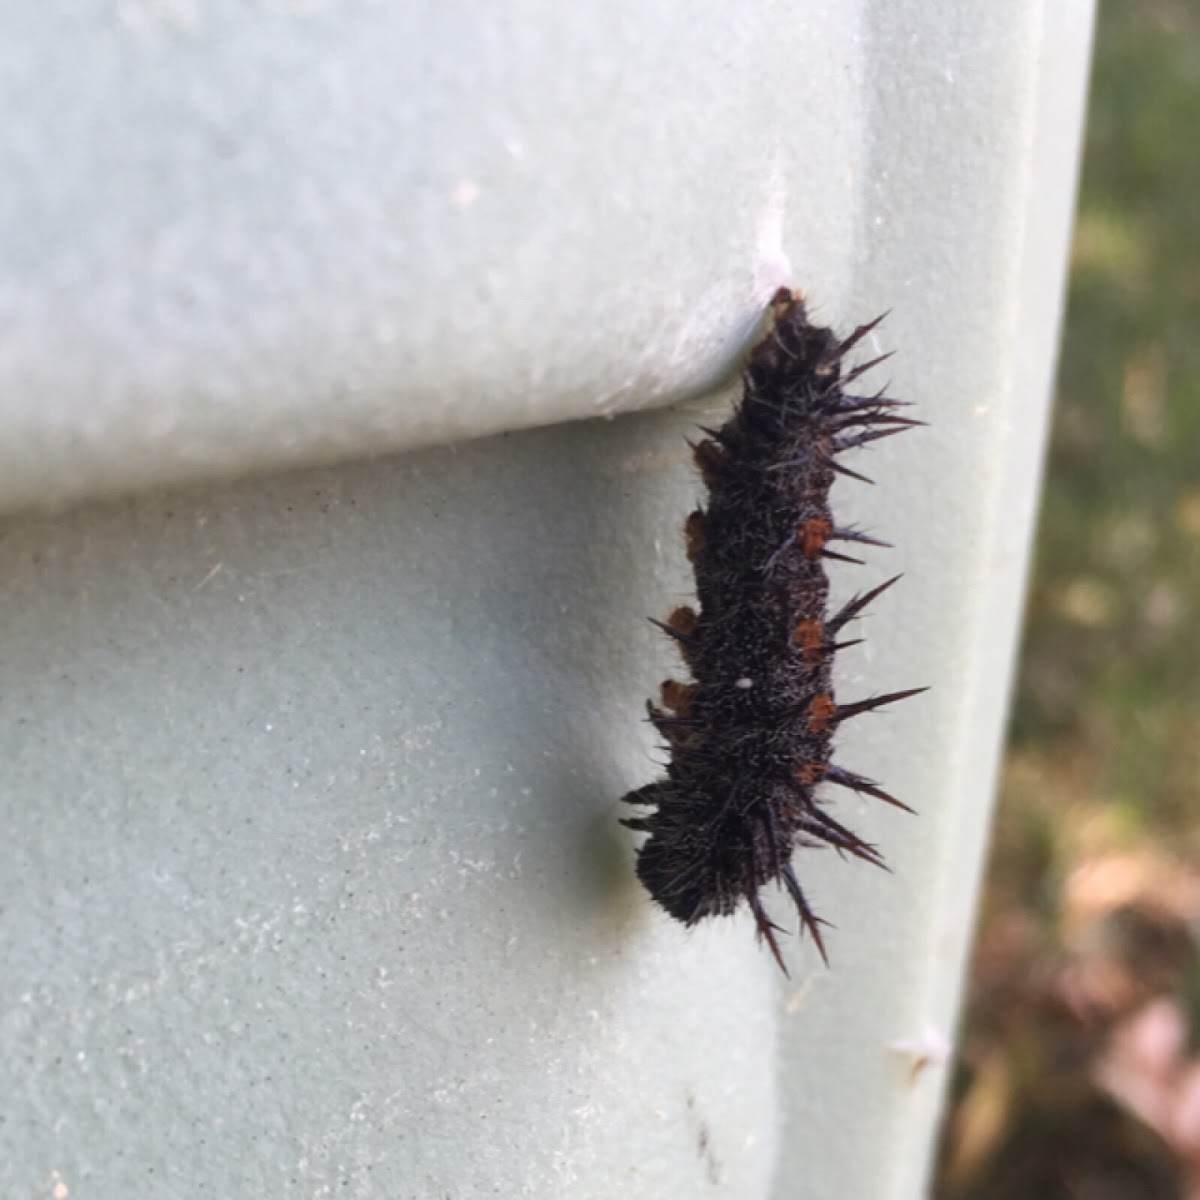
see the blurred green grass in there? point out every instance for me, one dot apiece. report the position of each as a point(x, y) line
point(1103, 764)
point(1110, 668)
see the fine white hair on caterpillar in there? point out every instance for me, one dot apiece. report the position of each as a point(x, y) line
point(751, 736)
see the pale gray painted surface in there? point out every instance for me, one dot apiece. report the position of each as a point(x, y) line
point(254, 234)
point(312, 878)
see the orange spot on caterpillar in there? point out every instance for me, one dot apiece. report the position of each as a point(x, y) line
point(810, 773)
point(677, 696)
point(812, 536)
point(684, 620)
point(821, 712)
point(809, 636)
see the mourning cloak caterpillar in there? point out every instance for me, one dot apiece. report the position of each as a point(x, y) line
point(750, 738)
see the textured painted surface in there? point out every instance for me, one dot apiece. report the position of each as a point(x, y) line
point(242, 235)
point(312, 879)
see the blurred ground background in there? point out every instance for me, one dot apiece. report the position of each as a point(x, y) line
point(1080, 1069)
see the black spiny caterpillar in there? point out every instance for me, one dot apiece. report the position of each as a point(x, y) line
point(750, 739)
